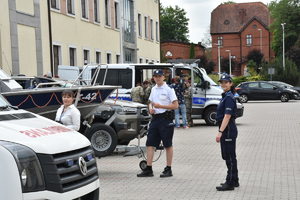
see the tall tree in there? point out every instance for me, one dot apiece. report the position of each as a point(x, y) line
point(285, 11)
point(173, 24)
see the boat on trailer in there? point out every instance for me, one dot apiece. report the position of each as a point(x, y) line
point(46, 100)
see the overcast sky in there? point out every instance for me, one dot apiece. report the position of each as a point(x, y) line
point(198, 11)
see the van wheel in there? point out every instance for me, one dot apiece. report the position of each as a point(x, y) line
point(103, 139)
point(210, 116)
point(284, 97)
point(243, 98)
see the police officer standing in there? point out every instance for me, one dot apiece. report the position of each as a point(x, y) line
point(226, 114)
point(163, 101)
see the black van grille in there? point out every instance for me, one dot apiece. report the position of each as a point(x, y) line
point(62, 177)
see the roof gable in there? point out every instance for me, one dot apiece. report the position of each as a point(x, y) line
point(232, 18)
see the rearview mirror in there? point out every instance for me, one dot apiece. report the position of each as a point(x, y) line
point(275, 88)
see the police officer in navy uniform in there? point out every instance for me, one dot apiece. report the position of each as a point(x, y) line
point(226, 114)
point(163, 102)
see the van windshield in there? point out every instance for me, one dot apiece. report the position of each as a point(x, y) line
point(116, 77)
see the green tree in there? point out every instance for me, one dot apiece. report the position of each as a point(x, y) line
point(257, 57)
point(285, 11)
point(173, 24)
point(228, 2)
point(290, 75)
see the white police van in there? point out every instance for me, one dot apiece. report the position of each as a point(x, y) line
point(41, 159)
point(206, 93)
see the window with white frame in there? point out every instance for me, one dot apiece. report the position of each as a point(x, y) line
point(96, 11)
point(84, 9)
point(86, 56)
point(117, 15)
point(248, 40)
point(72, 54)
point(140, 25)
point(107, 12)
point(108, 58)
point(220, 41)
point(98, 57)
point(70, 7)
point(141, 60)
point(146, 27)
point(118, 59)
point(146, 61)
point(151, 29)
point(55, 4)
point(56, 58)
point(157, 31)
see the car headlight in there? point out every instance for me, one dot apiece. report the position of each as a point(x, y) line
point(127, 110)
point(31, 175)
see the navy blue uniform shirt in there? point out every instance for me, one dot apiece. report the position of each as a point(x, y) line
point(227, 105)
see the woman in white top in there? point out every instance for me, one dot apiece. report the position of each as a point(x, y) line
point(68, 114)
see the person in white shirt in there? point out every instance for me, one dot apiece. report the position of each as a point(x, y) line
point(163, 102)
point(68, 114)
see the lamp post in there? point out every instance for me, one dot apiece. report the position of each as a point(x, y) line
point(219, 58)
point(229, 52)
point(260, 39)
point(283, 46)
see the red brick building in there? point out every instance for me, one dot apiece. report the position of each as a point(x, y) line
point(181, 50)
point(240, 28)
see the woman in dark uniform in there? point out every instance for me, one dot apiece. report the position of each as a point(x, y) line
point(226, 114)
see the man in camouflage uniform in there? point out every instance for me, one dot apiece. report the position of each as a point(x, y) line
point(188, 103)
point(147, 91)
point(137, 93)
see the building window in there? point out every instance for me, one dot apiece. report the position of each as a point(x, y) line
point(72, 52)
point(220, 41)
point(55, 4)
point(107, 12)
point(117, 15)
point(248, 40)
point(129, 53)
point(157, 31)
point(86, 56)
point(98, 57)
point(129, 23)
point(56, 58)
point(108, 58)
point(141, 60)
point(151, 29)
point(84, 9)
point(118, 59)
point(140, 24)
point(146, 61)
point(146, 27)
point(96, 11)
point(70, 7)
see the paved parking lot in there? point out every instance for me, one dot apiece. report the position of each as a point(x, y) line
point(268, 150)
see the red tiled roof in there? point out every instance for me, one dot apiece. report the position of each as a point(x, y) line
point(231, 18)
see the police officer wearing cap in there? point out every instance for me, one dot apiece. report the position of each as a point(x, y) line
point(226, 114)
point(163, 102)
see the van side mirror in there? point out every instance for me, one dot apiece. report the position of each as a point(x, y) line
point(275, 88)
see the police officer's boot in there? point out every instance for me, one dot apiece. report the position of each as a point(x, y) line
point(225, 187)
point(235, 183)
point(166, 173)
point(148, 172)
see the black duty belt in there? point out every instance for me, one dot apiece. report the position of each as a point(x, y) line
point(169, 115)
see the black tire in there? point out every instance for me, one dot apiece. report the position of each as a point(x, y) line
point(103, 139)
point(143, 165)
point(285, 97)
point(243, 98)
point(210, 116)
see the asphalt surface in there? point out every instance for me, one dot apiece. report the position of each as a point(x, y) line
point(268, 153)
